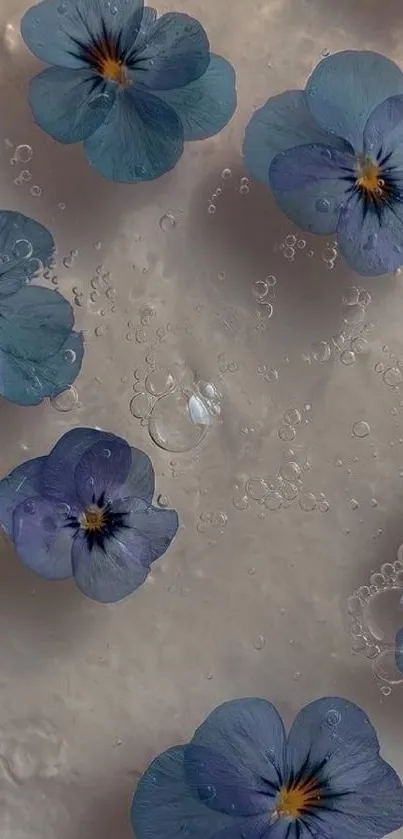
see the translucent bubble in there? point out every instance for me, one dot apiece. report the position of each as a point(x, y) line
point(140, 405)
point(159, 382)
point(288, 490)
point(163, 500)
point(292, 416)
point(273, 500)
point(259, 642)
point(177, 422)
point(347, 357)
point(323, 505)
point(290, 240)
point(68, 261)
point(301, 244)
point(240, 502)
point(379, 367)
point(385, 667)
point(23, 153)
point(364, 298)
point(307, 501)
point(290, 470)
point(65, 401)
point(289, 253)
point(321, 351)
point(61, 206)
point(393, 377)
point(332, 718)
point(168, 222)
point(353, 314)
point(322, 205)
point(271, 280)
point(359, 345)
point(69, 356)
point(211, 209)
point(351, 296)
point(256, 488)
point(36, 191)
point(244, 189)
point(361, 429)
point(271, 375)
point(25, 175)
point(286, 433)
point(22, 249)
point(260, 289)
point(226, 173)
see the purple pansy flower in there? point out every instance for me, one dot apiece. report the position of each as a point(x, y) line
point(333, 156)
point(241, 777)
point(85, 511)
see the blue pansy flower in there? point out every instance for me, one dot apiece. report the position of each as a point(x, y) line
point(333, 156)
point(129, 85)
point(40, 354)
point(85, 511)
point(241, 777)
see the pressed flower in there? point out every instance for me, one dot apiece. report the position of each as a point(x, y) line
point(40, 354)
point(85, 511)
point(241, 777)
point(129, 85)
point(333, 156)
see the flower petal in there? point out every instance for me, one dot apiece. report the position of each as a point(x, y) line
point(110, 573)
point(165, 805)
point(35, 322)
point(57, 31)
point(57, 478)
point(25, 247)
point(176, 52)
point(41, 539)
point(399, 647)
point(140, 481)
point(310, 183)
point(157, 528)
point(371, 241)
point(101, 470)
point(284, 122)
point(206, 105)
point(335, 739)
point(17, 486)
point(249, 735)
point(141, 139)
point(70, 104)
point(383, 135)
point(29, 383)
point(345, 88)
point(225, 786)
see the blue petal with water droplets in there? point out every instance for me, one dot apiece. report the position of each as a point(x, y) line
point(176, 52)
point(28, 383)
point(25, 247)
point(371, 241)
point(70, 104)
point(34, 323)
point(41, 539)
point(17, 486)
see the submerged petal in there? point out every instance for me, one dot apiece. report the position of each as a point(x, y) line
point(57, 478)
point(28, 383)
point(41, 539)
point(102, 469)
point(344, 89)
point(225, 786)
point(70, 104)
point(371, 238)
point(284, 122)
point(311, 183)
point(156, 528)
point(164, 804)
point(59, 31)
point(176, 52)
point(25, 247)
point(399, 648)
point(110, 573)
point(141, 139)
point(140, 481)
point(35, 322)
point(17, 486)
point(383, 135)
point(206, 105)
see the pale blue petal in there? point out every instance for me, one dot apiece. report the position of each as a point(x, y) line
point(371, 242)
point(41, 539)
point(102, 470)
point(70, 104)
point(176, 52)
point(284, 122)
point(311, 183)
point(140, 481)
point(132, 44)
point(225, 786)
point(206, 105)
point(17, 486)
point(157, 528)
point(383, 136)
point(35, 322)
point(58, 31)
point(164, 804)
point(28, 383)
point(141, 139)
point(399, 647)
point(25, 246)
point(249, 734)
point(57, 479)
point(110, 573)
point(345, 88)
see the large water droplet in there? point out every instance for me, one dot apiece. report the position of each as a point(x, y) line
point(361, 429)
point(22, 249)
point(23, 153)
point(168, 222)
point(159, 382)
point(257, 488)
point(65, 401)
point(178, 422)
point(322, 205)
point(140, 405)
point(393, 377)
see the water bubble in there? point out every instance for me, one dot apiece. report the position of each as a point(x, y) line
point(25, 175)
point(310, 254)
point(321, 351)
point(23, 153)
point(271, 280)
point(393, 377)
point(211, 209)
point(30, 507)
point(65, 401)
point(271, 375)
point(106, 453)
point(226, 173)
point(140, 336)
point(140, 405)
point(379, 367)
point(288, 491)
point(353, 314)
point(240, 502)
point(322, 205)
point(301, 244)
point(359, 345)
point(62, 8)
point(289, 253)
point(178, 422)
point(273, 500)
point(286, 433)
point(168, 222)
point(347, 357)
point(386, 690)
point(292, 416)
point(256, 488)
point(290, 470)
point(99, 330)
point(36, 190)
point(307, 501)
point(259, 642)
point(69, 356)
point(159, 382)
point(260, 289)
point(68, 261)
point(61, 206)
point(364, 298)
point(22, 249)
point(353, 504)
point(244, 189)
point(163, 501)
point(332, 718)
point(323, 505)
point(361, 429)
point(290, 240)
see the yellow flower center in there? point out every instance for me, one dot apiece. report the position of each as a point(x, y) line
point(369, 179)
point(114, 71)
point(104, 58)
point(93, 519)
point(295, 800)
